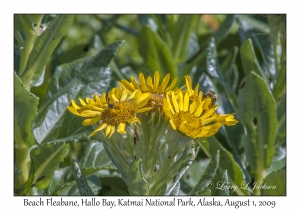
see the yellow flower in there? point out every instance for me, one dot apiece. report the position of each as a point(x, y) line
point(95, 105)
point(157, 92)
point(196, 118)
point(113, 112)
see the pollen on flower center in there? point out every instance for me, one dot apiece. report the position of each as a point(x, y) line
point(118, 112)
point(157, 98)
point(192, 123)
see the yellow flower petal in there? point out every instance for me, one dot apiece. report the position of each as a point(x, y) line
point(108, 129)
point(124, 95)
point(134, 120)
point(186, 102)
point(172, 85)
point(146, 109)
point(164, 83)
point(156, 81)
point(182, 127)
point(202, 133)
point(206, 103)
point(149, 83)
point(121, 128)
point(143, 83)
point(134, 83)
point(101, 126)
point(90, 113)
point(73, 111)
point(91, 121)
point(188, 82)
point(96, 97)
point(180, 101)
point(82, 102)
point(113, 128)
point(194, 106)
point(132, 94)
point(141, 100)
point(97, 108)
point(208, 113)
point(199, 109)
point(168, 103)
point(208, 120)
point(172, 124)
point(127, 85)
point(74, 104)
point(175, 104)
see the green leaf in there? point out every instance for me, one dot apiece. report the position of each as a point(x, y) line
point(224, 29)
point(28, 184)
point(223, 191)
point(81, 78)
point(25, 110)
point(181, 36)
point(60, 178)
point(175, 190)
point(210, 172)
point(156, 53)
point(36, 19)
point(95, 158)
point(277, 24)
point(262, 42)
point(116, 186)
point(274, 184)
point(253, 22)
point(82, 184)
point(229, 70)
point(23, 23)
point(44, 47)
point(161, 27)
point(199, 56)
point(249, 60)
point(137, 185)
point(278, 161)
point(227, 163)
point(280, 86)
point(281, 118)
point(45, 159)
point(72, 189)
point(213, 68)
point(196, 170)
point(76, 138)
point(258, 114)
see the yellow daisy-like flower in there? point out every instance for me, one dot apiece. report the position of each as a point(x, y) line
point(157, 92)
point(113, 112)
point(196, 118)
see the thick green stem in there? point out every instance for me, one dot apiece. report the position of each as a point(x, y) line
point(22, 156)
point(260, 170)
point(259, 178)
point(25, 50)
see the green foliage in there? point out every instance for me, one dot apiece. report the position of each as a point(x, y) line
point(156, 53)
point(137, 185)
point(82, 184)
point(205, 180)
point(57, 58)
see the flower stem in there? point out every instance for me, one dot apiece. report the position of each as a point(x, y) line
point(22, 157)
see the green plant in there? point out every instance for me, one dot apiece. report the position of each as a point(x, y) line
point(242, 58)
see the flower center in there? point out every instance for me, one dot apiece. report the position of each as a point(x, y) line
point(157, 98)
point(193, 123)
point(118, 112)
